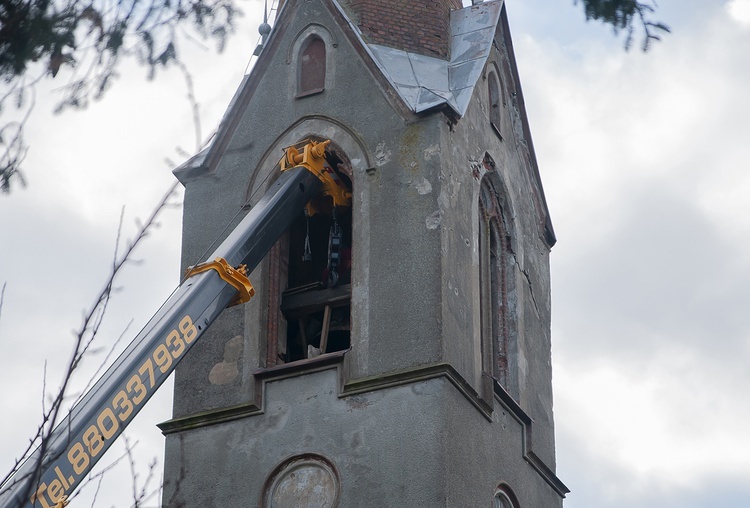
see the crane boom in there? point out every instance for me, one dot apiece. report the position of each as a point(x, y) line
point(60, 464)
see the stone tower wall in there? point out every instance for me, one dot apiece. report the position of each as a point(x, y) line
point(409, 415)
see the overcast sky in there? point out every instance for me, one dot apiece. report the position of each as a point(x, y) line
point(644, 159)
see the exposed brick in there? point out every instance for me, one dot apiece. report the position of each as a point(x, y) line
point(419, 26)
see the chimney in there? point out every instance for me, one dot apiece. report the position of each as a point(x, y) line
point(417, 26)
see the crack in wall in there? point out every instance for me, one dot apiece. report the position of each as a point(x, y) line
point(528, 282)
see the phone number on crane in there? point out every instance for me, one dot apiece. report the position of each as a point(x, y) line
point(123, 404)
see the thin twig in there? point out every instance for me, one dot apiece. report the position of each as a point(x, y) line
point(83, 340)
point(2, 298)
point(193, 103)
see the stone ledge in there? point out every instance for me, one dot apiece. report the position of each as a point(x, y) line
point(208, 418)
point(276, 373)
point(510, 404)
point(375, 383)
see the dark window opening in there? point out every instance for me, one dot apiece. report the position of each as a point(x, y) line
point(312, 67)
point(316, 302)
point(495, 105)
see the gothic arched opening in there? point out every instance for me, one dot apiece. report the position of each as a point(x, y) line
point(311, 71)
point(310, 286)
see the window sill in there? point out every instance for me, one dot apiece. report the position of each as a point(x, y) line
point(308, 93)
point(301, 366)
point(496, 130)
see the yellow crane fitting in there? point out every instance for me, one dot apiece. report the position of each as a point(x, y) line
point(312, 158)
point(236, 277)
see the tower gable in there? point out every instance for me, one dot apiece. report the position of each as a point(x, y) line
point(411, 80)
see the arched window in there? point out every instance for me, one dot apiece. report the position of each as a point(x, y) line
point(492, 276)
point(309, 311)
point(495, 101)
point(505, 498)
point(311, 71)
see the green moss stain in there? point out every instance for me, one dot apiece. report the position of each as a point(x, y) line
point(410, 148)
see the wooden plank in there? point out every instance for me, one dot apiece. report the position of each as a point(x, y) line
point(302, 304)
point(302, 323)
point(324, 332)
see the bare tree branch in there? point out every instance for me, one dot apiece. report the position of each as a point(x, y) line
point(193, 103)
point(83, 339)
point(140, 494)
point(87, 39)
point(2, 298)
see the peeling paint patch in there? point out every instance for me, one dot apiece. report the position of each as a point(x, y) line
point(423, 186)
point(431, 151)
point(357, 402)
point(449, 195)
point(433, 220)
point(382, 154)
point(227, 370)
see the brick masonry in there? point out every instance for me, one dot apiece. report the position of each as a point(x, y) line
point(419, 26)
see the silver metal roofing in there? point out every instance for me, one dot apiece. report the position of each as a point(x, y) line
point(424, 82)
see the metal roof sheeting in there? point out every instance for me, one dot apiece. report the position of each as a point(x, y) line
point(424, 82)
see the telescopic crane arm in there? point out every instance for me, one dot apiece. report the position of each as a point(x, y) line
point(58, 467)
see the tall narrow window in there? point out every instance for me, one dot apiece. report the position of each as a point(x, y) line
point(310, 279)
point(493, 88)
point(494, 300)
point(311, 78)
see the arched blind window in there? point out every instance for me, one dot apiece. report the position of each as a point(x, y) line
point(494, 299)
point(312, 67)
point(505, 498)
point(493, 88)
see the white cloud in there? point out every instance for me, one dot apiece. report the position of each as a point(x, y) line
point(644, 162)
point(676, 426)
point(739, 10)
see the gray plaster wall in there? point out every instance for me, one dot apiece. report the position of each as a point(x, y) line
point(529, 300)
point(352, 99)
point(397, 254)
point(482, 454)
point(391, 462)
point(417, 457)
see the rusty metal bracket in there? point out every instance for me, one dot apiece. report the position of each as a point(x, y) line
point(235, 277)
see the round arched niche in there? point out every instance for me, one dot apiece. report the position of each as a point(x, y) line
point(302, 481)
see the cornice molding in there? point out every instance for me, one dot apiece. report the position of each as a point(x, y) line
point(375, 383)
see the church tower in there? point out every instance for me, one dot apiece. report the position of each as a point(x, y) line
point(397, 351)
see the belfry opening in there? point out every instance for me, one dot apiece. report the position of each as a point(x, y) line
point(316, 300)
